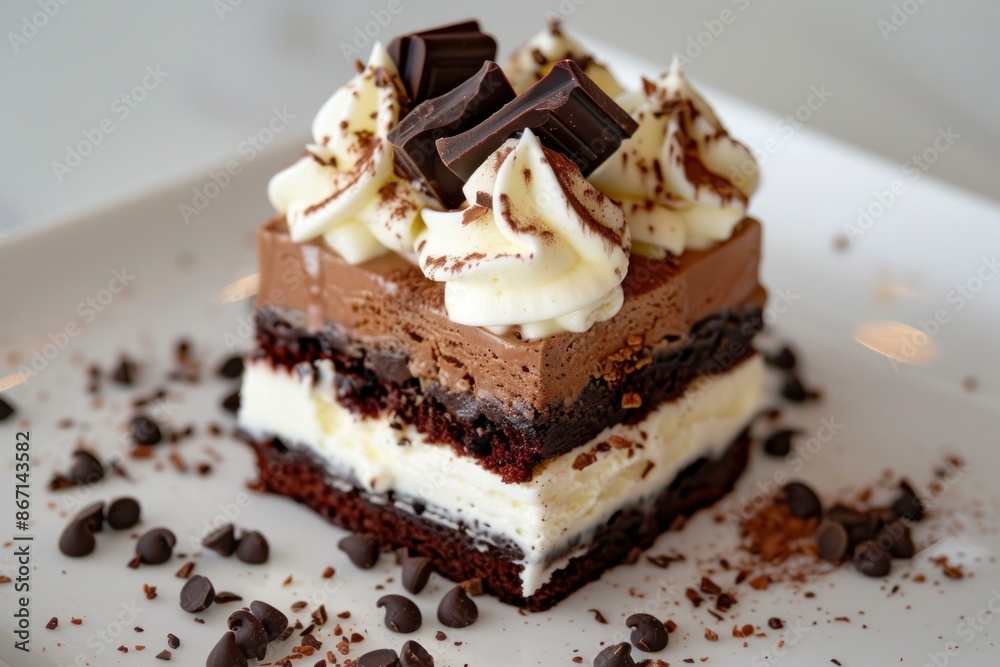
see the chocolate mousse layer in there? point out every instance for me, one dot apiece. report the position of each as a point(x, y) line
point(510, 403)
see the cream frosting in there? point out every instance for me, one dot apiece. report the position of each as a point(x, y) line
point(538, 247)
point(345, 189)
point(671, 175)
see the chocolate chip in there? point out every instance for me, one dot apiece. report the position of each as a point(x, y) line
point(124, 372)
point(252, 548)
point(416, 572)
point(784, 358)
point(274, 621)
point(832, 540)
point(401, 615)
point(85, 468)
point(123, 513)
point(618, 655)
point(802, 501)
point(77, 539)
point(172, 641)
point(144, 430)
point(222, 540)
point(231, 403)
point(164, 655)
point(383, 657)
point(231, 368)
point(93, 516)
point(648, 633)
point(847, 516)
point(908, 505)
point(895, 537)
point(6, 410)
point(794, 390)
point(871, 560)
point(250, 634)
point(779, 443)
point(775, 623)
point(155, 546)
point(415, 655)
point(457, 609)
point(198, 594)
point(226, 653)
point(361, 549)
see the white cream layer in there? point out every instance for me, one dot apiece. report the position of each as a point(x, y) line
point(558, 505)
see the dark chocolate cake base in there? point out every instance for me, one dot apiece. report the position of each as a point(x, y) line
point(297, 473)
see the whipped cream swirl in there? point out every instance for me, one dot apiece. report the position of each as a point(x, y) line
point(681, 178)
point(538, 246)
point(345, 189)
point(533, 60)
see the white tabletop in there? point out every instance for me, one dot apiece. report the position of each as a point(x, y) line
point(886, 76)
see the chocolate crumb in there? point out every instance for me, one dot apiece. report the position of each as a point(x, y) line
point(598, 616)
point(163, 655)
point(172, 641)
point(52, 624)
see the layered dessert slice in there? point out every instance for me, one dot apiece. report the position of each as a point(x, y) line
point(530, 385)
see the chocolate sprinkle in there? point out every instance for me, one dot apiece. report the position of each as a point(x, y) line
point(198, 594)
point(144, 430)
point(274, 621)
point(401, 615)
point(123, 513)
point(361, 549)
point(250, 634)
point(155, 546)
point(648, 633)
point(252, 548)
point(457, 609)
point(802, 501)
point(618, 655)
point(415, 655)
point(226, 653)
point(383, 657)
point(222, 540)
point(416, 573)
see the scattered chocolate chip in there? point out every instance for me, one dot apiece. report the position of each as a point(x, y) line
point(361, 549)
point(793, 389)
point(163, 655)
point(415, 655)
point(231, 368)
point(383, 657)
point(440, 636)
point(274, 621)
point(895, 537)
point(252, 548)
point(124, 372)
point(779, 443)
point(250, 634)
point(648, 633)
point(144, 430)
point(724, 601)
point(617, 655)
point(226, 653)
point(908, 505)
point(832, 540)
point(172, 641)
point(802, 501)
point(52, 624)
point(123, 513)
point(871, 560)
point(198, 594)
point(85, 468)
point(93, 516)
point(77, 539)
point(222, 540)
point(775, 623)
point(457, 609)
point(784, 358)
point(231, 403)
point(6, 410)
point(847, 516)
point(416, 572)
point(155, 546)
point(401, 615)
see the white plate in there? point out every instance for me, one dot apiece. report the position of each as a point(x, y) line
point(907, 418)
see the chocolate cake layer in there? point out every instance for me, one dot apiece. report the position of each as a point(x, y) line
point(386, 305)
point(299, 474)
point(373, 382)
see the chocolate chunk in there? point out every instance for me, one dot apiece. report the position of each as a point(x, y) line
point(274, 621)
point(52, 624)
point(231, 368)
point(648, 634)
point(361, 549)
point(871, 560)
point(567, 111)
point(252, 548)
point(793, 389)
point(77, 539)
point(223, 597)
point(144, 430)
point(85, 468)
point(124, 372)
point(231, 403)
point(198, 594)
point(432, 62)
point(226, 653)
point(416, 572)
point(383, 657)
point(832, 540)
point(458, 110)
point(172, 641)
point(775, 623)
point(415, 655)
point(250, 634)
point(155, 546)
point(802, 501)
point(895, 537)
point(457, 609)
point(779, 443)
point(164, 655)
point(222, 540)
point(784, 358)
point(123, 513)
point(6, 410)
point(908, 505)
point(401, 615)
point(617, 655)
point(92, 516)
